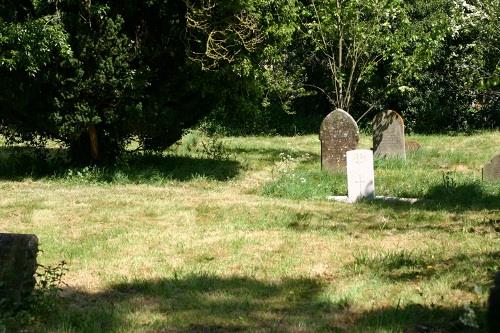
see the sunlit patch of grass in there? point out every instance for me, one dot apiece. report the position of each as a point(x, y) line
point(393, 262)
point(306, 185)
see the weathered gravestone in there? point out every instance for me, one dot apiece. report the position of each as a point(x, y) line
point(491, 170)
point(17, 268)
point(338, 134)
point(360, 175)
point(389, 135)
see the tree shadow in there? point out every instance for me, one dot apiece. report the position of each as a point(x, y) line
point(207, 303)
point(452, 198)
point(404, 266)
point(199, 303)
point(20, 163)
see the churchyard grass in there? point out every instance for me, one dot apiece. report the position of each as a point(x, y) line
point(248, 242)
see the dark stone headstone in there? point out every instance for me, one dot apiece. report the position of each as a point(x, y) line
point(389, 135)
point(491, 170)
point(338, 134)
point(493, 312)
point(17, 268)
point(412, 145)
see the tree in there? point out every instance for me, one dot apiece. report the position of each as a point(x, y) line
point(453, 91)
point(95, 75)
point(249, 43)
point(376, 46)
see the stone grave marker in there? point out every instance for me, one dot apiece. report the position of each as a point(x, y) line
point(360, 175)
point(412, 145)
point(17, 268)
point(389, 135)
point(338, 134)
point(491, 170)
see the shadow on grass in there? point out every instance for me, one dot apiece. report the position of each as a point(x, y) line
point(403, 266)
point(416, 318)
point(457, 198)
point(200, 303)
point(21, 163)
point(203, 303)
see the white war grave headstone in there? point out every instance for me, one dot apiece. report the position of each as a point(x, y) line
point(361, 179)
point(491, 170)
point(338, 134)
point(360, 175)
point(389, 135)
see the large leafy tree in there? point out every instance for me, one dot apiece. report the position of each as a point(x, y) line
point(95, 74)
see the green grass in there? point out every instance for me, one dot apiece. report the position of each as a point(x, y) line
point(183, 242)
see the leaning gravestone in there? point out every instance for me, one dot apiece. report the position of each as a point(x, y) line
point(338, 134)
point(389, 135)
point(491, 170)
point(17, 268)
point(360, 175)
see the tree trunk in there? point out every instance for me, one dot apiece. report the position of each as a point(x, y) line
point(92, 147)
point(94, 143)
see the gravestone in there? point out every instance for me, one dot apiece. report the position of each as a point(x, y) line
point(17, 268)
point(360, 175)
point(338, 134)
point(388, 135)
point(491, 170)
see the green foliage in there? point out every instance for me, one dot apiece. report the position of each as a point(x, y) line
point(104, 73)
point(95, 75)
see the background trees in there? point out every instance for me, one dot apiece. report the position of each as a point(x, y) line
point(97, 74)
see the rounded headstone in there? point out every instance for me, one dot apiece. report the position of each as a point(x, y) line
point(338, 134)
point(388, 135)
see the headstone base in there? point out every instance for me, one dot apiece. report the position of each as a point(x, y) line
point(345, 199)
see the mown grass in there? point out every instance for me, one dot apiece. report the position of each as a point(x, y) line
point(181, 242)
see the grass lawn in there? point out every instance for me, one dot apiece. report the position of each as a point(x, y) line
point(248, 242)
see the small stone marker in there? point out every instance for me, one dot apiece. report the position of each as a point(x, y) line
point(412, 145)
point(360, 175)
point(491, 170)
point(17, 268)
point(338, 134)
point(389, 135)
